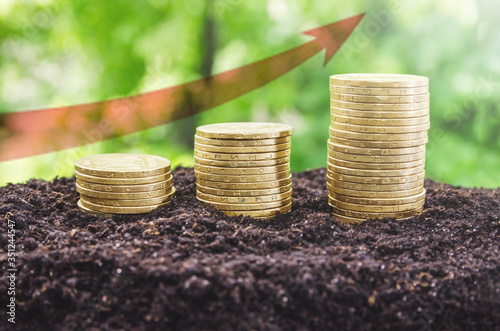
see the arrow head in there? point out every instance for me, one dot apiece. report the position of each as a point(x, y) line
point(331, 37)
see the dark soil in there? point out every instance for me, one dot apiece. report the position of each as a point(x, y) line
point(190, 267)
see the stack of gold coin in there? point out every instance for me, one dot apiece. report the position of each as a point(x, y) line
point(376, 150)
point(123, 183)
point(244, 168)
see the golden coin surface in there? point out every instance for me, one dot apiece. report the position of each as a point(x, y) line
point(243, 193)
point(125, 188)
point(244, 130)
point(379, 201)
point(242, 157)
point(380, 122)
point(377, 136)
point(371, 215)
point(245, 200)
point(241, 171)
point(381, 129)
point(373, 194)
point(375, 187)
point(245, 186)
point(376, 166)
point(243, 150)
point(348, 220)
point(371, 113)
point(263, 214)
point(374, 151)
point(247, 207)
point(377, 180)
point(374, 173)
point(376, 208)
point(242, 178)
point(380, 98)
point(123, 181)
point(380, 106)
point(130, 203)
point(91, 212)
point(379, 90)
point(379, 144)
point(122, 165)
point(379, 80)
point(241, 142)
point(120, 210)
point(241, 164)
point(122, 196)
point(375, 158)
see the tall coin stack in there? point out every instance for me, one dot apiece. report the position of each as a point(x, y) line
point(376, 150)
point(123, 183)
point(244, 168)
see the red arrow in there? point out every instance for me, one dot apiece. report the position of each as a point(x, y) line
point(41, 131)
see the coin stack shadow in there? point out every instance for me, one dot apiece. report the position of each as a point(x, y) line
point(123, 183)
point(376, 150)
point(244, 168)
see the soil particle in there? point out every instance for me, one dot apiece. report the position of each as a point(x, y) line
point(188, 266)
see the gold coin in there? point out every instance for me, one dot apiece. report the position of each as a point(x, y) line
point(348, 220)
point(241, 171)
point(375, 187)
point(243, 193)
point(91, 212)
point(261, 214)
point(379, 201)
point(411, 121)
point(242, 178)
point(377, 136)
point(379, 90)
point(130, 203)
point(119, 210)
point(379, 80)
point(247, 207)
point(374, 173)
point(246, 200)
point(236, 150)
point(245, 186)
point(374, 151)
point(381, 129)
point(122, 165)
point(242, 143)
point(373, 194)
point(376, 166)
point(376, 208)
point(242, 157)
point(122, 196)
point(371, 113)
point(377, 180)
point(122, 181)
point(379, 144)
point(367, 215)
point(380, 98)
point(241, 164)
point(248, 130)
point(125, 188)
point(376, 158)
point(380, 106)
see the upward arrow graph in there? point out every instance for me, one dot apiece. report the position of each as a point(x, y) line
point(35, 132)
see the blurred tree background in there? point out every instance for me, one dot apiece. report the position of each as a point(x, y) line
point(61, 52)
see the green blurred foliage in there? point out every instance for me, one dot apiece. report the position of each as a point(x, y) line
point(60, 52)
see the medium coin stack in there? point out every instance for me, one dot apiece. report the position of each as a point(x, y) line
point(244, 168)
point(123, 183)
point(376, 150)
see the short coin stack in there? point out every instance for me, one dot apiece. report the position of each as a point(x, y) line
point(244, 168)
point(376, 150)
point(123, 183)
